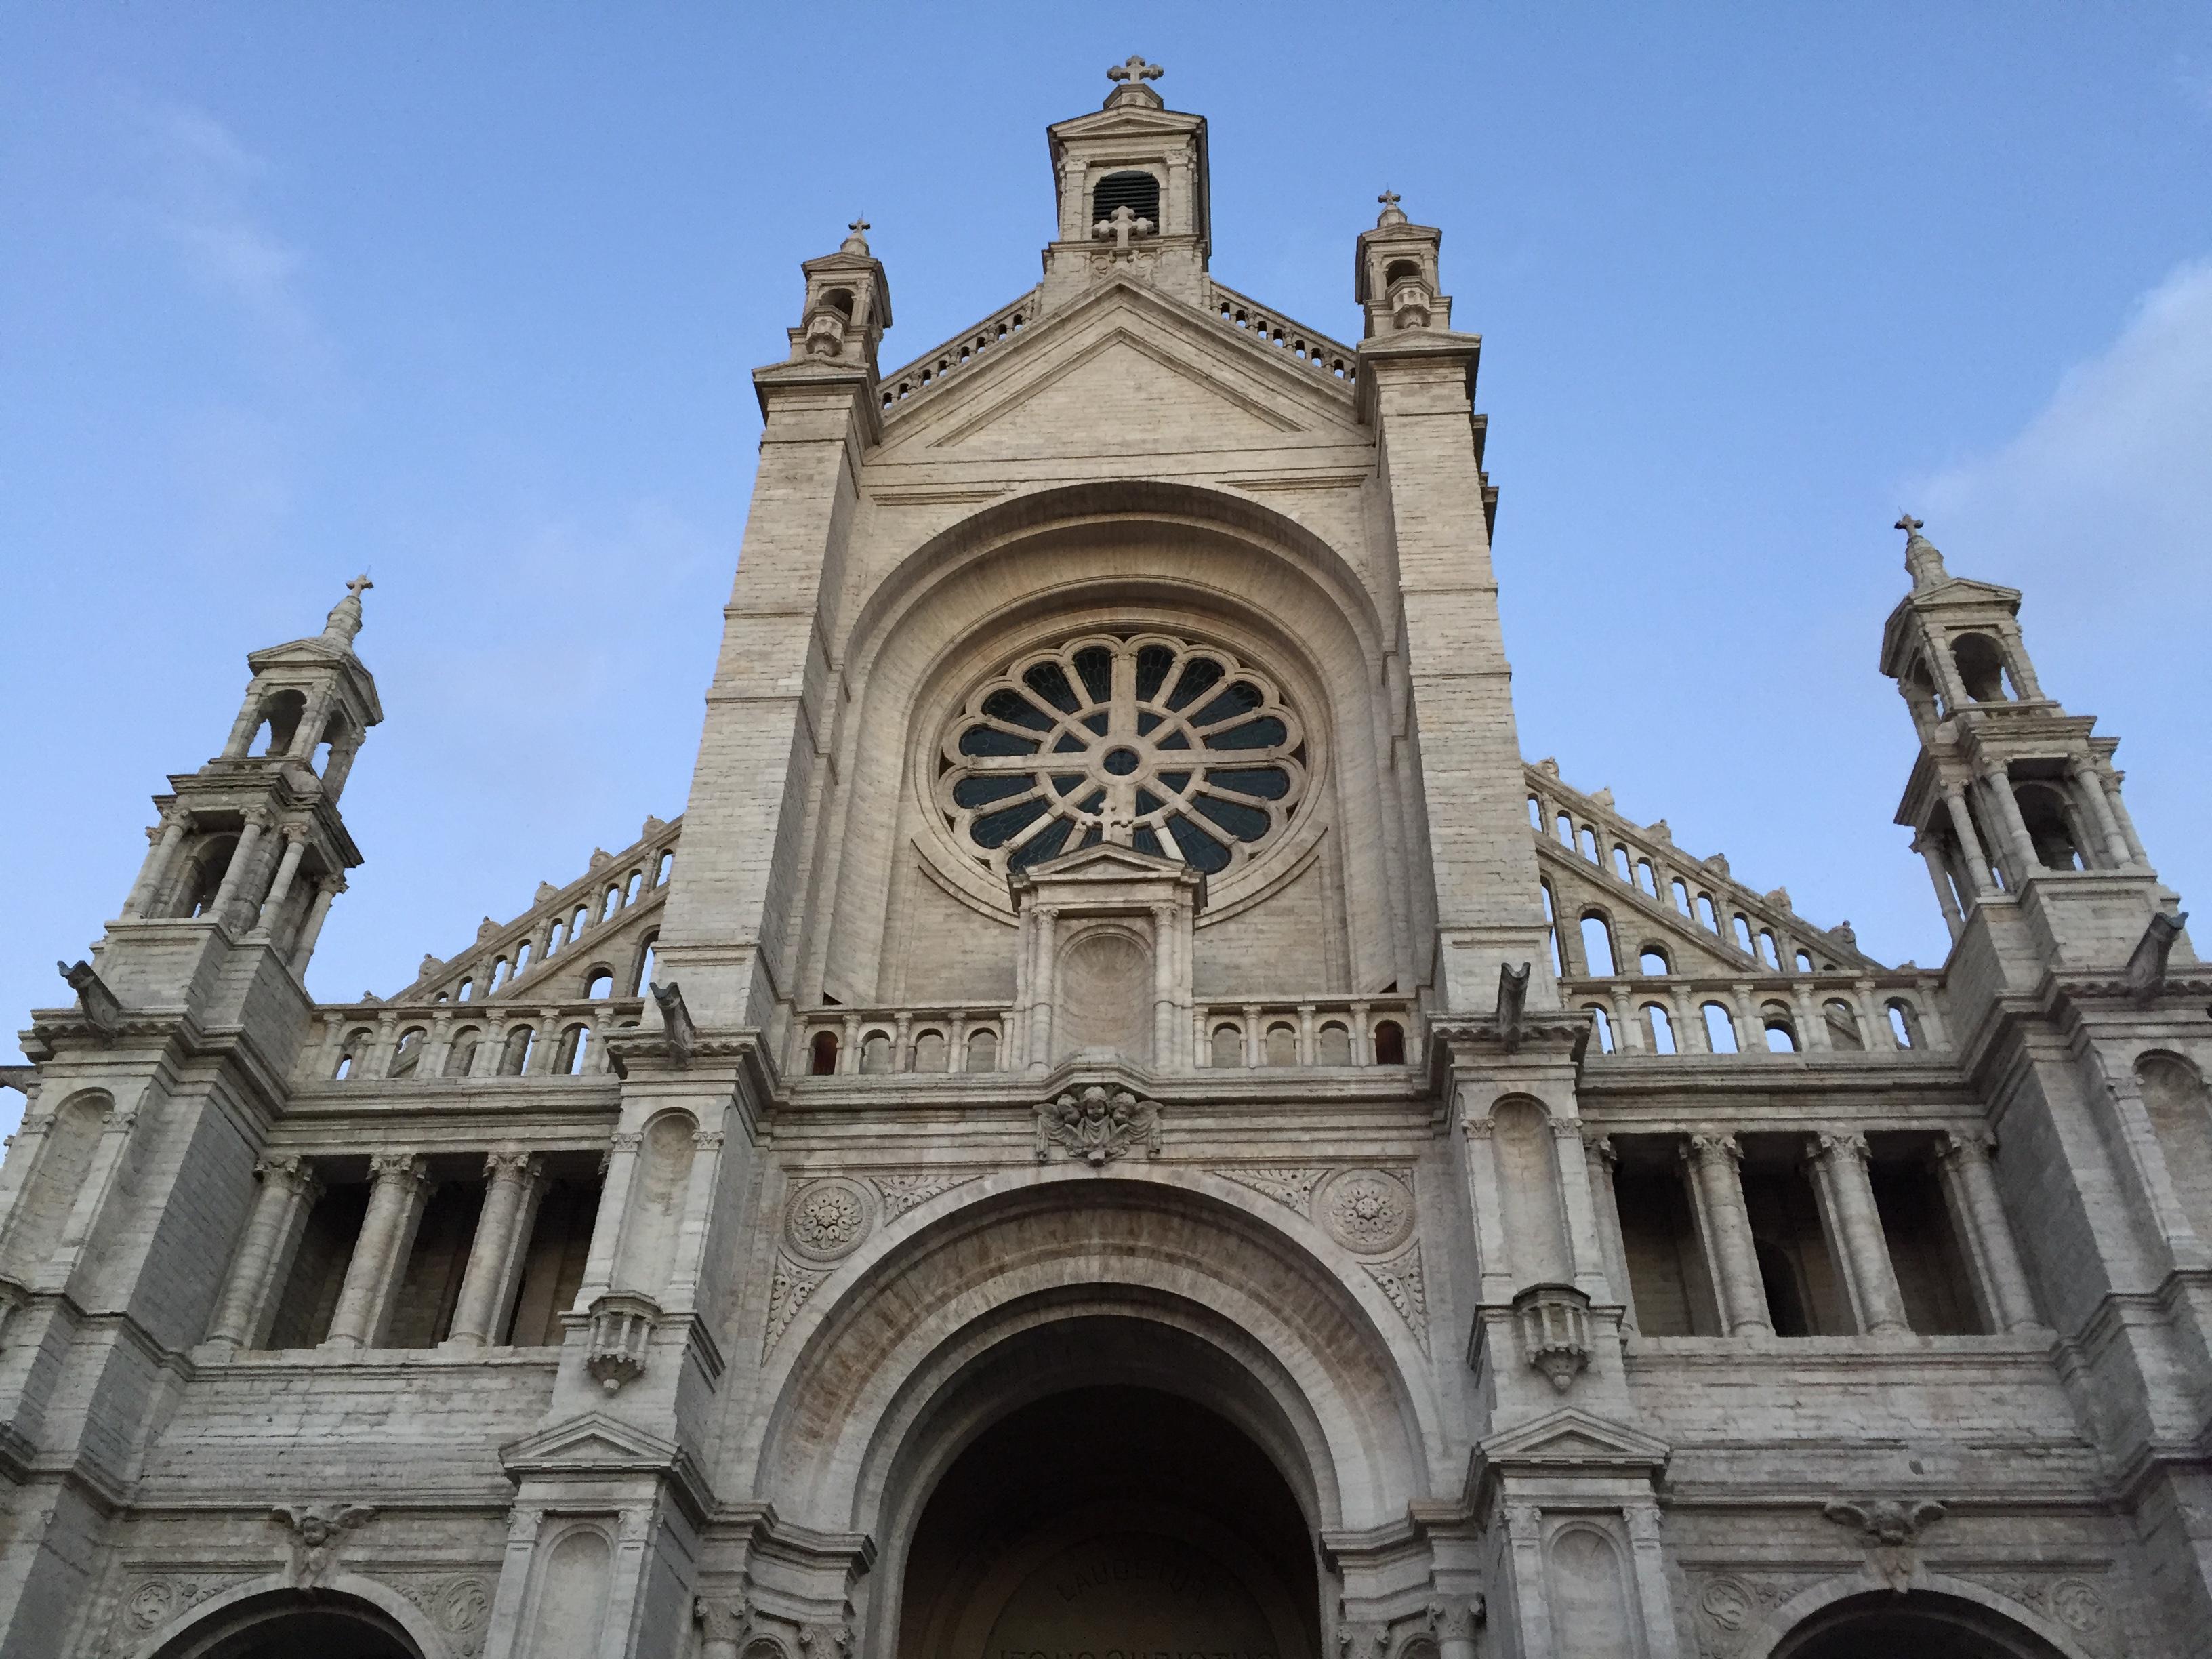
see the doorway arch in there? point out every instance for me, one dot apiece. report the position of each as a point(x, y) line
point(1105, 1519)
point(1951, 1620)
point(283, 1623)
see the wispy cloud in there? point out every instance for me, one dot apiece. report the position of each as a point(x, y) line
point(2112, 473)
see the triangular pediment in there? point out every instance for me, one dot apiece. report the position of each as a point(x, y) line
point(1125, 370)
point(1568, 1439)
point(1106, 861)
point(595, 1441)
point(1108, 872)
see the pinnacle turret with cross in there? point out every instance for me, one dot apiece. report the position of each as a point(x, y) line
point(1133, 187)
point(2014, 803)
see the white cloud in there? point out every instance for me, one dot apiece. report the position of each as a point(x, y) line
point(202, 205)
point(2113, 475)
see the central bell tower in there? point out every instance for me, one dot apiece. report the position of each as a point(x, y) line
point(1133, 196)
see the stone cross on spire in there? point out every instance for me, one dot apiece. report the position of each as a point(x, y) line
point(1390, 214)
point(344, 620)
point(1910, 526)
point(858, 241)
point(1122, 224)
point(1921, 557)
point(1129, 77)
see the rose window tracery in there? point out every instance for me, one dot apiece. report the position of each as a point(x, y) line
point(1174, 747)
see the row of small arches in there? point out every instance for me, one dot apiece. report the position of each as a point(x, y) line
point(573, 1055)
point(1600, 958)
point(1279, 1044)
point(915, 381)
point(878, 1052)
point(619, 895)
point(1777, 1032)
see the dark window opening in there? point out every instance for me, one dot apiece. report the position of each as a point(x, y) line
point(319, 1267)
point(1389, 1043)
point(1140, 192)
point(553, 1266)
point(1924, 1249)
point(1667, 1278)
point(822, 1057)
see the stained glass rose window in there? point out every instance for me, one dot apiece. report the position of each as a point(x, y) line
point(1175, 749)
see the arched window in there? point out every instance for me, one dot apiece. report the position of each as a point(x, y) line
point(522, 958)
point(1645, 879)
point(1620, 863)
point(1680, 891)
point(499, 973)
point(1389, 1043)
point(611, 903)
point(1138, 191)
point(982, 1051)
point(1332, 1045)
point(575, 1050)
point(1552, 931)
point(1653, 962)
point(821, 1055)
point(352, 1052)
point(554, 939)
point(930, 1054)
point(631, 890)
point(578, 922)
point(1536, 813)
point(1597, 945)
point(1566, 827)
point(1658, 1029)
point(1720, 1029)
point(1282, 1045)
point(1780, 1031)
point(1602, 1024)
point(645, 953)
point(1769, 952)
point(1228, 1046)
point(1398, 270)
point(2049, 820)
point(1843, 1023)
point(667, 863)
point(600, 984)
point(1589, 845)
point(876, 1054)
point(1903, 1023)
point(514, 1055)
point(468, 989)
point(1785, 1299)
point(407, 1054)
point(1804, 963)
point(1706, 915)
point(280, 724)
point(1743, 935)
point(1981, 667)
point(461, 1052)
point(204, 879)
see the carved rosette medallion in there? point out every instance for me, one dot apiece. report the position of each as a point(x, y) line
point(1370, 1212)
point(824, 1220)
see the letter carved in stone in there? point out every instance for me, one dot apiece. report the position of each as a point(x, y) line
point(1097, 1125)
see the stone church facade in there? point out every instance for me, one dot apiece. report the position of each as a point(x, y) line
point(1125, 1119)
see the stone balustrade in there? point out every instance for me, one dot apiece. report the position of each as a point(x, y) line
point(1300, 344)
point(1762, 1017)
point(385, 1044)
point(930, 370)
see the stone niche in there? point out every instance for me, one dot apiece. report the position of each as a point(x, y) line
point(1104, 963)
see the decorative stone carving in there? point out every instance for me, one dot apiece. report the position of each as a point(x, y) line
point(788, 1291)
point(621, 1333)
point(2077, 1604)
point(1363, 1638)
point(1727, 1603)
point(315, 1529)
point(155, 1602)
point(1400, 1280)
point(1294, 1188)
point(1455, 1620)
point(98, 1004)
point(825, 1641)
point(1555, 1331)
point(1891, 1526)
point(824, 1221)
point(1369, 1211)
point(676, 1025)
point(460, 1606)
point(901, 1193)
point(722, 1619)
point(1097, 1125)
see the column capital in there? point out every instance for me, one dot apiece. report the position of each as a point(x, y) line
point(397, 1166)
point(1711, 1144)
point(1455, 1621)
point(624, 1143)
point(291, 1171)
point(1839, 1143)
point(722, 1619)
point(296, 834)
point(512, 1166)
point(257, 818)
point(1965, 1146)
point(707, 1141)
point(1567, 1128)
point(1600, 1150)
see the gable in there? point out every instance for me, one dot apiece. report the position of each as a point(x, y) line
point(1124, 372)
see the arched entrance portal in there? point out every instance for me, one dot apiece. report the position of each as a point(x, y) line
point(286, 1625)
point(1108, 1522)
point(1918, 1626)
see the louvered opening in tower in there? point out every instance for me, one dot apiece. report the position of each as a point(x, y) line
point(1140, 192)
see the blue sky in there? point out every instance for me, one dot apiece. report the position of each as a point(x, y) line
point(468, 297)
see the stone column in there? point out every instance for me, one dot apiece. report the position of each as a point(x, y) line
point(1255, 1041)
point(168, 836)
point(1601, 1159)
point(398, 1183)
point(1976, 856)
point(1751, 1025)
point(327, 892)
point(1452, 1620)
point(1363, 1035)
point(722, 1621)
point(1532, 1606)
point(902, 1042)
point(698, 1211)
point(1878, 1033)
point(1998, 781)
point(512, 1183)
point(249, 842)
point(1647, 1549)
point(1947, 901)
point(1972, 1186)
point(1306, 1033)
point(1839, 1170)
point(1585, 1255)
point(2090, 792)
point(1487, 1200)
point(1042, 980)
point(1725, 1226)
point(1812, 1025)
point(848, 1045)
point(295, 846)
point(614, 1204)
point(289, 1191)
point(2110, 780)
point(1163, 984)
point(111, 1158)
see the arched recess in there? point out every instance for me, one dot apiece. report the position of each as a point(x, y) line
point(885, 1374)
point(246, 1620)
point(1974, 1623)
point(1025, 574)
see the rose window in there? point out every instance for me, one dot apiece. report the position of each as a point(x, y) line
point(1175, 749)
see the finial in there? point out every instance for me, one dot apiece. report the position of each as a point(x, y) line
point(1921, 557)
point(1390, 214)
point(1129, 76)
point(344, 620)
point(858, 241)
